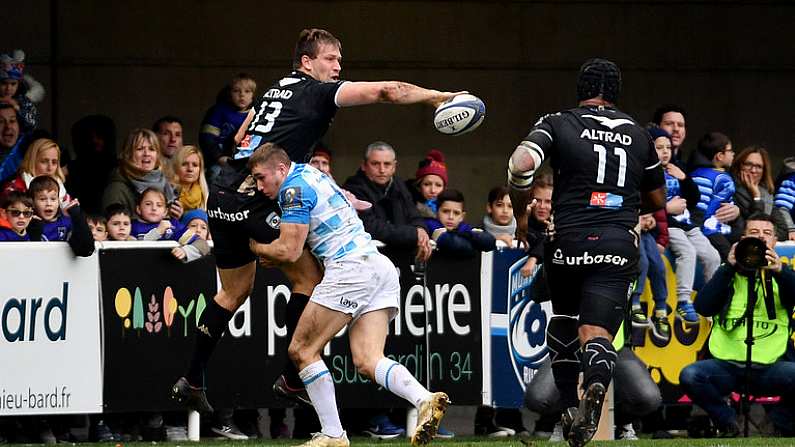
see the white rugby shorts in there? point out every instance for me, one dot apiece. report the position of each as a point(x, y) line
point(359, 284)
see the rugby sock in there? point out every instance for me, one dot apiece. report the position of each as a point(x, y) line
point(564, 347)
point(320, 388)
point(295, 306)
point(598, 361)
point(211, 327)
point(398, 380)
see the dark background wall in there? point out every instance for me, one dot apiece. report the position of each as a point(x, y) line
point(730, 64)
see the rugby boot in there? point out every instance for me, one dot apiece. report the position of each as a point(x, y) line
point(190, 396)
point(587, 421)
point(430, 416)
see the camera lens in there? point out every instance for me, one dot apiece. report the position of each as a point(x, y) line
point(750, 254)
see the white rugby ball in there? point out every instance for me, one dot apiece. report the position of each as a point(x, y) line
point(459, 115)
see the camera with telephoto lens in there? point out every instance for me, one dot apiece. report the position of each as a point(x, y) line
point(750, 254)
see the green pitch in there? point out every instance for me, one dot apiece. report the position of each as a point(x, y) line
point(481, 442)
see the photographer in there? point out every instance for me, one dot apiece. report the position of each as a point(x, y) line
point(725, 298)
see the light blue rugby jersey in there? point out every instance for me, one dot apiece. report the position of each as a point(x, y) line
point(310, 197)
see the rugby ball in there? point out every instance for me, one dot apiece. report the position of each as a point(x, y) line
point(459, 115)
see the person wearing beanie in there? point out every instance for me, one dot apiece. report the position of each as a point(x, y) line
point(13, 89)
point(321, 159)
point(685, 239)
point(429, 180)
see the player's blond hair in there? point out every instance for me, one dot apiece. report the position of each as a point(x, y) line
point(270, 155)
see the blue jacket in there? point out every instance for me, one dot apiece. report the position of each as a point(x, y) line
point(463, 241)
point(716, 187)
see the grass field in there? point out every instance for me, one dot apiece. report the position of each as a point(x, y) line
point(482, 442)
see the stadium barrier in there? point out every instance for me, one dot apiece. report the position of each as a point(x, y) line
point(486, 332)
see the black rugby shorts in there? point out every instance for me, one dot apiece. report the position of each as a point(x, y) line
point(237, 212)
point(590, 273)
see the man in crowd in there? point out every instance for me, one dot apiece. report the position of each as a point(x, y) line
point(295, 113)
point(360, 289)
point(725, 299)
point(394, 219)
point(169, 131)
point(604, 165)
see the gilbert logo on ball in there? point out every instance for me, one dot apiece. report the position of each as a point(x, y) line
point(461, 114)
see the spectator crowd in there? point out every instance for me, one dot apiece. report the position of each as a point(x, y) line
point(155, 187)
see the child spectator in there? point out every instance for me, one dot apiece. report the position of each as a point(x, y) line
point(194, 221)
point(222, 121)
point(686, 241)
point(430, 180)
point(98, 226)
point(43, 157)
point(16, 208)
point(784, 199)
point(189, 180)
point(119, 223)
point(453, 236)
point(539, 219)
point(716, 187)
point(499, 220)
point(60, 223)
point(19, 90)
point(154, 225)
point(652, 266)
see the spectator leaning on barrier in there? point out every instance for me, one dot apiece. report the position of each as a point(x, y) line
point(785, 195)
point(715, 210)
point(16, 209)
point(653, 239)
point(725, 299)
point(139, 168)
point(189, 180)
point(429, 181)
point(393, 219)
point(499, 220)
point(453, 236)
point(539, 221)
point(43, 157)
point(98, 226)
point(119, 221)
point(60, 222)
point(753, 181)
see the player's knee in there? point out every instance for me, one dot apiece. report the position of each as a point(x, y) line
point(365, 364)
point(589, 332)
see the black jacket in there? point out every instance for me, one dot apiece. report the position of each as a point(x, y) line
point(393, 219)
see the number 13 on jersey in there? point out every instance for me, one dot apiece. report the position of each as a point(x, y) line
point(269, 118)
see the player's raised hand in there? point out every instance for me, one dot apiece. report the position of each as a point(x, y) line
point(443, 97)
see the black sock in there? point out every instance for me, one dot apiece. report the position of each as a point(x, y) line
point(598, 362)
point(211, 327)
point(295, 306)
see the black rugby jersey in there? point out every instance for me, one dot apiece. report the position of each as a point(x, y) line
point(601, 161)
point(294, 112)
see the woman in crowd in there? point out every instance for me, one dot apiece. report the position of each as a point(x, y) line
point(139, 168)
point(430, 180)
point(42, 158)
point(189, 178)
point(753, 182)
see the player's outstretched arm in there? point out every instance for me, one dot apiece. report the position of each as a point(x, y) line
point(393, 92)
point(287, 248)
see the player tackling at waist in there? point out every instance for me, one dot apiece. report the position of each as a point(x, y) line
point(359, 289)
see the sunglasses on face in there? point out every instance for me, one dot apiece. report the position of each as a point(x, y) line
point(16, 213)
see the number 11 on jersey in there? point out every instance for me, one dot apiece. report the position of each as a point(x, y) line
point(622, 164)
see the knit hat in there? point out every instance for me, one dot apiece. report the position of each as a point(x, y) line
point(12, 65)
point(193, 214)
point(657, 132)
point(433, 164)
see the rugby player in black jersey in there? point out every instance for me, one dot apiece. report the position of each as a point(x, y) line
point(605, 170)
point(294, 112)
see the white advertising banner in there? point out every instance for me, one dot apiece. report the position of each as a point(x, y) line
point(50, 360)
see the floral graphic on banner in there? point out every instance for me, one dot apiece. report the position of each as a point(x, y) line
point(158, 312)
